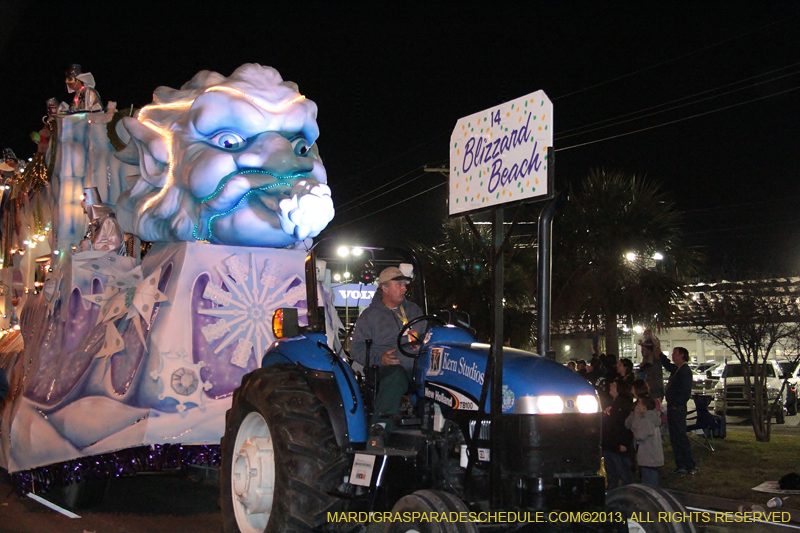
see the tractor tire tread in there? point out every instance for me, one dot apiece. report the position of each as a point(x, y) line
point(309, 466)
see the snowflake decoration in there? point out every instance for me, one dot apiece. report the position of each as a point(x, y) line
point(180, 380)
point(128, 293)
point(245, 309)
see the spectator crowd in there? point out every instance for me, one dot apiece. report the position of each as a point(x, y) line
point(637, 408)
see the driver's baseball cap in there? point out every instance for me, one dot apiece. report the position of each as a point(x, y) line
point(392, 274)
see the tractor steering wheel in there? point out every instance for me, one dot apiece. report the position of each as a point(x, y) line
point(412, 348)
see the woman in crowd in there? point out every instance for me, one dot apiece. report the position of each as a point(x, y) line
point(617, 439)
point(625, 370)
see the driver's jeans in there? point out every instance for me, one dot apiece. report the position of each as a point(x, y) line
point(393, 383)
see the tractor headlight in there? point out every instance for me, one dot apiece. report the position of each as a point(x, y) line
point(550, 405)
point(587, 404)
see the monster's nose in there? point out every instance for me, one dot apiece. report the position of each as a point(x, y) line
point(273, 152)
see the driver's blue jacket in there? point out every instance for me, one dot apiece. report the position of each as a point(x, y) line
point(382, 325)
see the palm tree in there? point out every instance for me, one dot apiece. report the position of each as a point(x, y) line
point(619, 254)
point(458, 274)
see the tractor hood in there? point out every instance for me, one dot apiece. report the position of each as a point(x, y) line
point(453, 370)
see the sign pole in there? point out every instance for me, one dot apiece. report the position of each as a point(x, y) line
point(497, 355)
point(545, 263)
point(500, 156)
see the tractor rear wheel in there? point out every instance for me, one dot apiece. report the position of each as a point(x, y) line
point(640, 505)
point(280, 460)
point(429, 501)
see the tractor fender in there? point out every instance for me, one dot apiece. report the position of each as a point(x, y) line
point(331, 379)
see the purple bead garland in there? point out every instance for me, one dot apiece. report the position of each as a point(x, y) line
point(122, 463)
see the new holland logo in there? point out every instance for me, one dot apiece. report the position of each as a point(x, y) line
point(449, 397)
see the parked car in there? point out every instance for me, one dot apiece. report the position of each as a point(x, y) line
point(791, 372)
point(701, 383)
point(729, 394)
point(715, 372)
point(702, 367)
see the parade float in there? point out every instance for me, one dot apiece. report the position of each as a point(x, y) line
point(143, 254)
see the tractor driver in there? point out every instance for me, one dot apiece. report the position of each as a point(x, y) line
point(382, 322)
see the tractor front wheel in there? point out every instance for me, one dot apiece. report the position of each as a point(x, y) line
point(280, 461)
point(640, 505)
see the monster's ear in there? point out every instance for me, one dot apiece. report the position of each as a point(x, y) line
point(152, 151)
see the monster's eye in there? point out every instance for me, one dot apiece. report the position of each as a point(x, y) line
point(228, 140)
point(301, 146)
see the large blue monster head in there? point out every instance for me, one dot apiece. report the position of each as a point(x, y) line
point(228, 160)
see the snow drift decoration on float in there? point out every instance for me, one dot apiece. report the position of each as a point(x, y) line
point(119, 352)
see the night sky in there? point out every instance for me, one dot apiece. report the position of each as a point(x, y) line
point(392, 79)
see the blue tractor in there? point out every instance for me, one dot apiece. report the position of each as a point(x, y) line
point(295, 455)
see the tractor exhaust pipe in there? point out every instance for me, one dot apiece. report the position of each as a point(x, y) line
point(544, 273)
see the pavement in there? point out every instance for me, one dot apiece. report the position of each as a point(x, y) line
point(719, 515)
point(177, 504)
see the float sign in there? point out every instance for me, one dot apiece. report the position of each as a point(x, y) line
point(499, 155)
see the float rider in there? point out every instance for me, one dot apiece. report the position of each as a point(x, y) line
point(381, 322)
point(82, 85)
point(104, 233)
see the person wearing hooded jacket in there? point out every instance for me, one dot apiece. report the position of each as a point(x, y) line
point(645, 423)
point(382, 321)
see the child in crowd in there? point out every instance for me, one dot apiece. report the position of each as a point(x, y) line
point(645, 422)
point(641, 388)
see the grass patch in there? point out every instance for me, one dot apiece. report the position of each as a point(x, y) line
point(738, 464)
